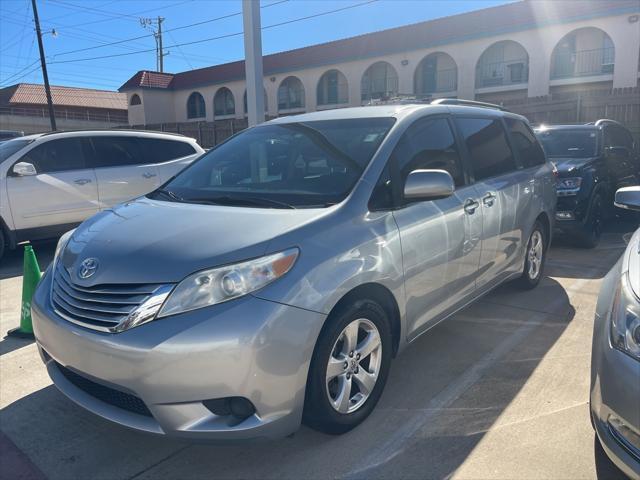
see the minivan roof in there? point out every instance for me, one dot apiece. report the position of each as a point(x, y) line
point(396, 111)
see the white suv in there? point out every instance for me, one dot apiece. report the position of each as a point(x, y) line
point(51, 182)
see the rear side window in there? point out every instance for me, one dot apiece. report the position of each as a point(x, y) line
point(57, 156)
point(117, 151)
point(429, 144)
point(525, 143)
point(160, 150)
point(487, 145)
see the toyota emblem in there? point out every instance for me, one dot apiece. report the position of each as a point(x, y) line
point(88, 267)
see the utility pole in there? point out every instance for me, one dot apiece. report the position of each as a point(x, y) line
point(45, 76)
point(157, 34)
point(160, 50)
point(253, 61)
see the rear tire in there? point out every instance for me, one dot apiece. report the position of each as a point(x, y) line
point(349, 368)
point(593, 227)
point(535, 256)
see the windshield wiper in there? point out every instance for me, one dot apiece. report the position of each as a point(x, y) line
point(170, 194)
point(229, 200)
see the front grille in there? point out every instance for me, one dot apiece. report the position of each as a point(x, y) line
point(125, 401)
point(101, 307)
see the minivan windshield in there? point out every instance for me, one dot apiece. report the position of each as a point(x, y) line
point(568, 143)
point(9, 147)
point(289, 165)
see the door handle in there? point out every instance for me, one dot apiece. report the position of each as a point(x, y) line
point(488, 199)
point(470, 206)
point(148, 175)
point(82, 181)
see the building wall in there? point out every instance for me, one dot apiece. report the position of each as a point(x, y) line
point(170, 106)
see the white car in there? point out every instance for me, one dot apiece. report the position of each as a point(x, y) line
point(51, 182)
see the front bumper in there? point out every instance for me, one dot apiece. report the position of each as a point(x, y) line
point(615, 396)
point(249, 347)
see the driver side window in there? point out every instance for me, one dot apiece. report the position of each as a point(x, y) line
point(57, 156)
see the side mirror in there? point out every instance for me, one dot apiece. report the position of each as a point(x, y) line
point(428, 185)
point(628, 198)
point(618, 151)
point(24, 169)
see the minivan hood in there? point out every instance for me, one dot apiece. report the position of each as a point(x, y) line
point(151, 241)
point(570, 164)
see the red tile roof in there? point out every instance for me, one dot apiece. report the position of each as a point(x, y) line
point(33, 94)
point(517, 16)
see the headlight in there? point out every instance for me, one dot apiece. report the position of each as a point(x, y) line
point(64, 239)
point(568, 186)
point(218, 285)
point(625, 320)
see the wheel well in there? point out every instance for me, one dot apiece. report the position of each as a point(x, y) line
point(381, 295)
point(546, 224)
point(8, 238)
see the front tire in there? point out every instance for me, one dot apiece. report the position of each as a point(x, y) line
point(594, 225)
point(536, 254)
point(3, 243)
point(349, 368)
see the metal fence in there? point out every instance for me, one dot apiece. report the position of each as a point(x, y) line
point(582, 63)
point(63, 113)
point(494, 74)
point(621, 104)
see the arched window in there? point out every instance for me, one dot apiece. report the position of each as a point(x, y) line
point(135, 100)
point(195, 106)
point(437, 72)
point(583, 52)
point(223, 102)
point(244, 99)
point(290, 94)
point(503, 63)
point(333, 88)
point(380, 80)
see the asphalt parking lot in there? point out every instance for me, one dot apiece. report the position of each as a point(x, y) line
point(499, 391)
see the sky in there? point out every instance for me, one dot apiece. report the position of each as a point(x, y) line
point(83, 27)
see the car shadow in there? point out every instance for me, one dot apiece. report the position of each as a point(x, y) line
point(10, 344)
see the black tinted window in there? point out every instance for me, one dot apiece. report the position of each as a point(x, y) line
point(117, 151)
point(568, 143)
point(429, 144)
point(57, 156)
point(525, 142)
point(617, 137)
point(488, 148)
point(159, 150)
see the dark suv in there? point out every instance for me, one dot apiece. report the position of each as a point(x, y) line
point(593, 161)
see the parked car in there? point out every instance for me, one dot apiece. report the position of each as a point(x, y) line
point(593, 161)
point(8, 134)
point(51, 182)
point(615, 357)
point(273, 280)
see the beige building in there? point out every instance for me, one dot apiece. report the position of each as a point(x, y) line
point(518, 50)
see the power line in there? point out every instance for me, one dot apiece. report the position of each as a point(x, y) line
point(126, 40)
point(229, 35)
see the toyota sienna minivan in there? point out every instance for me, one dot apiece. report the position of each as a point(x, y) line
point(274, 279)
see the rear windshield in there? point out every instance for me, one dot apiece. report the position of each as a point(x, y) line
point(305, 164)
point(10, 147)
point(568, 143)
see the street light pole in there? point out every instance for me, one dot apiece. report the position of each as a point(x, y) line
point(253, 61)
point(45, 76)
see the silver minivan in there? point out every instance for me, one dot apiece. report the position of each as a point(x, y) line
point(274, 279)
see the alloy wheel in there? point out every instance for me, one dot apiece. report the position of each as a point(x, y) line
point(354, 366)
point(536, 250)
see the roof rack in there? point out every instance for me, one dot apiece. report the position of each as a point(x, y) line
point(113, 130)
point(468, 103)
point(602, 121)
